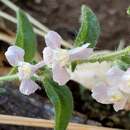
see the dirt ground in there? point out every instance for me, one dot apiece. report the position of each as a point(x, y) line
point(63, 16)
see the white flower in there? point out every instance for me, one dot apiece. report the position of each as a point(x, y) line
point(58, 58)
point(15, 56)
point(109, 92)
point(89, 74)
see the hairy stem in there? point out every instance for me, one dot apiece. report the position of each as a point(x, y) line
point(13, 71)
point(15, 77)
point(9, 77)
point(108, 57)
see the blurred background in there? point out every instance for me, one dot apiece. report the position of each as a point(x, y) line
point(63, 17)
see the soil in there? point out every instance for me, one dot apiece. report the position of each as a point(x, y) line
point(63, 17)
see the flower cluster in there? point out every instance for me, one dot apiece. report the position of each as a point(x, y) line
point(109, 85)
point(114, 90)
point(89, 74)
point(54, 56)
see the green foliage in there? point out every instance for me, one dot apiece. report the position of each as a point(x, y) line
point(62, 99)
point(126, 59)
point(90, 29)
point(121, 64)
point(128, 10)
point(25, 37)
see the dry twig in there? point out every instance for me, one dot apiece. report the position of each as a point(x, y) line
point(24, 121)
point(41, 28)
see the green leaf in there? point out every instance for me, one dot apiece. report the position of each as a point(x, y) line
point(90, 28)
point(25, 37)
point(121, 64)
point(126, 59)
point(62, 99)
point(128, 10)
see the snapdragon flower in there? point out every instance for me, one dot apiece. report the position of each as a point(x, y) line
point(110, 92)
point(15, 57)
point(58, 58)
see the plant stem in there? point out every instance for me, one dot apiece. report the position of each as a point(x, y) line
point(107, 57)
point(9, 77)
point(15, 77)
point(13, 71)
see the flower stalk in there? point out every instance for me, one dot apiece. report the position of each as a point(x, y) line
point(9, 77)
point(107, 57)
point(99, 58)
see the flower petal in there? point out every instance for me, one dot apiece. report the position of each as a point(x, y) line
point(60, 74)
point(125, 87)
point(126, 75)
point(53, 39)
point(125, 82)
point(82, 52)
point(25, 70)
point(115, 72)
point(28, 87)
point(100, 94)
point(38, 66)
point(89, 74)
point(14, 54)
point(48, 55)
point(120, 105)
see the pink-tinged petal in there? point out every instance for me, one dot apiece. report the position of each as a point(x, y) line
point(53, 39)
point(115, 72)
point(125, 87)
point(60, 74)
point(126, 75)
point(25, 70)
point(114, 75)
point(14, 54)
point(28, 87)
point(100, 94)
point(125, 82)
point(120, 105)
point(48, 55)
point(82, 52)
point(127, 106)
point(38, 66)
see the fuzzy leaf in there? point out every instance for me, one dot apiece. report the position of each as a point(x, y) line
point(62, 99)
point(25, 37)
point(90, 29)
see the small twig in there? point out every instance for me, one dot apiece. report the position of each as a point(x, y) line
point(34, 21)
point(6, 38)
point(121, 44)
point(24, 121)
point(14, 20)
